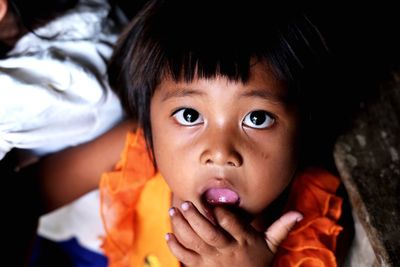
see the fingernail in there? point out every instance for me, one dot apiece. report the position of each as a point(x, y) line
point(167, 236)
point(171, 212)
point(185, 206)
point(299, 218)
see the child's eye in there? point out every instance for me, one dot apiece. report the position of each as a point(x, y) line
point(258, 119)
point(188, 116)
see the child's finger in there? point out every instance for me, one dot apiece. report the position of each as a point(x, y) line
point(203, 227)
point(230, 223)
point(184, 232)
point(279, 230)
point(184, 255)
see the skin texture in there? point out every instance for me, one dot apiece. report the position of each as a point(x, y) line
point(3, 8)
point(204, 137)
point(75, 171)
point(9, 31)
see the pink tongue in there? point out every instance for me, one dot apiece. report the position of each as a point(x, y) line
point(217, 196)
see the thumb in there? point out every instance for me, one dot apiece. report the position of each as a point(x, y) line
point(279, 230)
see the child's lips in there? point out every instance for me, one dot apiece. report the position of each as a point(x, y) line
point(218, 191)
point(227, 198)
point(221, 196)
point(216, 196)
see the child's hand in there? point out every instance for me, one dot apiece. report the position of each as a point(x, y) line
point(197, 242)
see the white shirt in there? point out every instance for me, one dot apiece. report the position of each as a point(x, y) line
point(54, 94)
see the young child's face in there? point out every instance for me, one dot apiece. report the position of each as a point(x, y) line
point(223, 142)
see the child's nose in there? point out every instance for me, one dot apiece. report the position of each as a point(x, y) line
point(220, 150)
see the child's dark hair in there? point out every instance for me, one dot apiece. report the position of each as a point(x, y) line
point(207, 38)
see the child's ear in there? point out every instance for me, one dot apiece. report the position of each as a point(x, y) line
point(3, 8)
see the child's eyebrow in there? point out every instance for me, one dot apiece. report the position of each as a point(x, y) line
point(264, 94)
point(181, 92)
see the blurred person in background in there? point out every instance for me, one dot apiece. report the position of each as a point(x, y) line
point(54, 94)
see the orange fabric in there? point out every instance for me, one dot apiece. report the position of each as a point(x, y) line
point(120, 191)
point(134, 209)
point(135, 202)
point(313, 241)
point(152, 224)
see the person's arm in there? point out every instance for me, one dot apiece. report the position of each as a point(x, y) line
point(69, 174)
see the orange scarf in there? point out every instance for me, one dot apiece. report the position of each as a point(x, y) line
point(135, 202)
